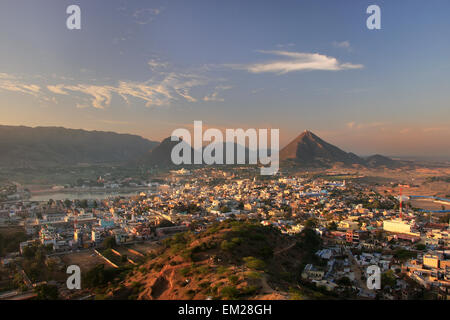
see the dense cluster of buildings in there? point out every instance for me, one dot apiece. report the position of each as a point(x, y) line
point(359, 226)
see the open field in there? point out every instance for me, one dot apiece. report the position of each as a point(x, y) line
point(428, 204)
point(145, 247)
point(86, 260)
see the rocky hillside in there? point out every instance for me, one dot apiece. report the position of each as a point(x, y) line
point(230, 260)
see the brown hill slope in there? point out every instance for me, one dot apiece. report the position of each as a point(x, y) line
point(227, 261)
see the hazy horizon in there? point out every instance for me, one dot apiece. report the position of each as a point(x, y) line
point(401, 157)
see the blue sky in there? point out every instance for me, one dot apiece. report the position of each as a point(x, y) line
point(148, 67)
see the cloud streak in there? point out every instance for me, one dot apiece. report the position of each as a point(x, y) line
point(14, 84)
point(214, 96)
point(162, 89)
point(355, 125)
point(145, 16)
point(154, 93)
point(342, 44)
point(297, 61)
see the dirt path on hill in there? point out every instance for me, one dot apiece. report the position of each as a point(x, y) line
point(285, 249)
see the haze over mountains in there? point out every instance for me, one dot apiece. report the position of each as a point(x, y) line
point(56, 146)
point(49, 146)
point(161, 154)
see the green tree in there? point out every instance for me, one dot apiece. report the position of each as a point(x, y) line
point(311, 223)
point(420, 246)
point(388, 279)
point(109, 243)
point(84, 204)
point(67, 203)
point(332, 226)
point(47, 292)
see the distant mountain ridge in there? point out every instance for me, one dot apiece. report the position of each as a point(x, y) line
point(379, 160)
point(22, 146)
point(306, 150)
point(161, 155)
point(310, 150)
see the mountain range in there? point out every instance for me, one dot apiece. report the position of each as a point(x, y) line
point(310, 150)
point(307, 150)
point(22, 146)
point(56, 146)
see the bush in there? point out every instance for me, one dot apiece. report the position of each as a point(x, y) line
point(229, 292)
point(227, 245)
point(344, 281)
point(254, 275)
point(10, 243)
point(47, 292)
point(296, 294)
point(185, 271)
point(388, 279)
point(179, 238)
point(221, 269)
point(254, 263)
point(420, 246)
point(204, 284)
point(203, 269)
point(403, 255)
point(233, 279)
point(236, 240)
point(190, 293)
point(99, 276)
point(266, 252)
point(249, 290)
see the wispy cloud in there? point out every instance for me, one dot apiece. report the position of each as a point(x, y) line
point(297, 61)
point(12, 83)
point(405, 131)
point(145, 16)
point(118, 122)
point(58, 89)
point(162, 89)
point(342, 44)
point(285, 45)
point(214, 96)
point(153, 93)
point(6, 76)
point(82, 106)
point(254, 91)
point(355, 125)
point(157, 64)
point(436, 129)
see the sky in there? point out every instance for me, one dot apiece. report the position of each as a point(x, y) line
point(150, 67)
